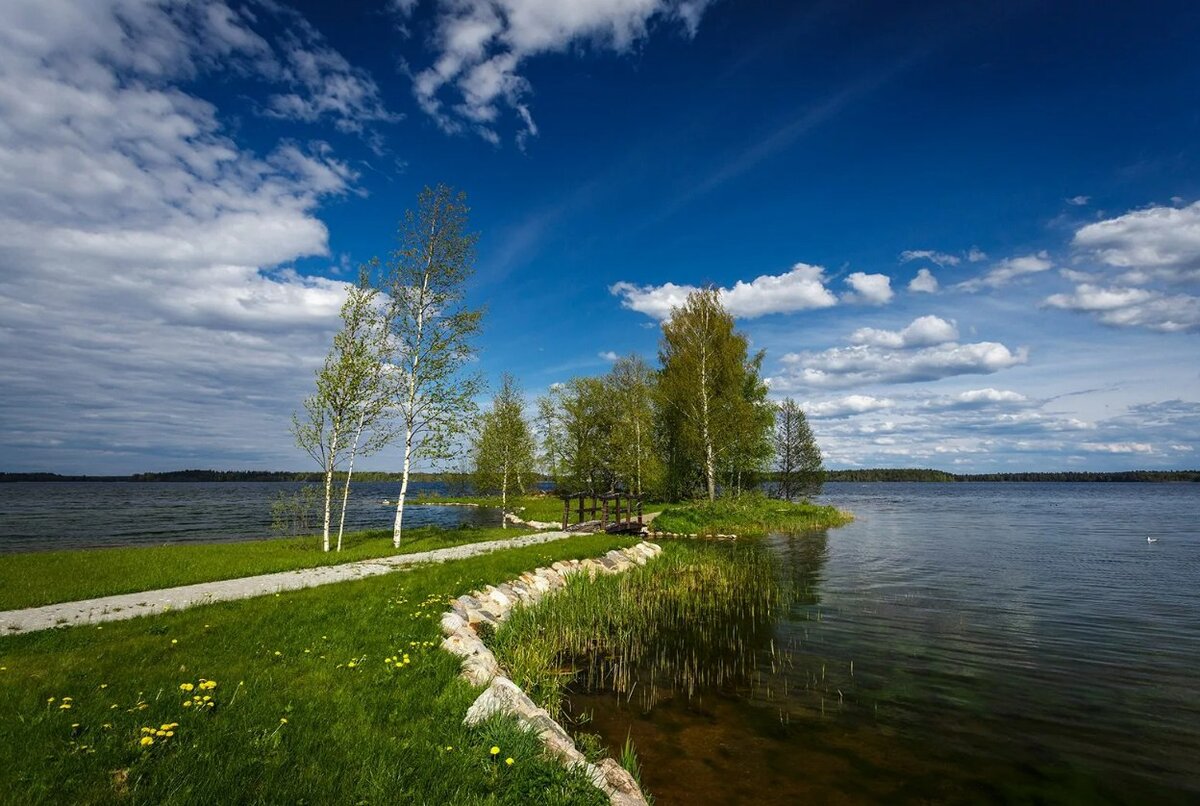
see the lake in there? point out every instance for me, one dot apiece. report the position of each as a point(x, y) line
point(64, 515)
point(957, 643)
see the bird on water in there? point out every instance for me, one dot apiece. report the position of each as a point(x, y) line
point(1150, 539)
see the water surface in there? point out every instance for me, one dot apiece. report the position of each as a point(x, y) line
point(957, 643)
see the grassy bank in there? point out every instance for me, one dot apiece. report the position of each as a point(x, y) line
point(308, 706)
point(748, 515)
point(547, 508)
point(694, 617)
point(47, 577)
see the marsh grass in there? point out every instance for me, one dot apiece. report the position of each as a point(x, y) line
point(546, 508)
point(47, 577)
point(337, 694)
point(748, 514)
point(695, 618)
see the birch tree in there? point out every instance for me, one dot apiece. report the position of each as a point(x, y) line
point(432, 329)
point(550, 434)
point(349, 398)
point(504, 454)
point(798, 458)
point(702, 383)
point(635, 460)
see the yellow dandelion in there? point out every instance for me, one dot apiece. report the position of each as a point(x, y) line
point(174, 640)
point(283, 720)
point(278, 653)
point(186, 687)
point(449, 747)
point(50, 699)
point(509, 761)
point(104, 685)
point(170, 733)
point(210, 704)
point(187, 703)
point(147, 741)
point(65, 706)
point(495, 751)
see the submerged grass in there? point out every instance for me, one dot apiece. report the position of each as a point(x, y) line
point(694, 618)
point(336, 694)
point(48, 577)
point(748, 514)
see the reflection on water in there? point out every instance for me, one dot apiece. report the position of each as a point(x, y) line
point(957, 643)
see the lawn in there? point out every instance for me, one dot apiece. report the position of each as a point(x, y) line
point(748, 514)
point(332, 694)
point(47, 577)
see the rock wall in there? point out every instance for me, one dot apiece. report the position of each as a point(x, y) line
point(501, 695)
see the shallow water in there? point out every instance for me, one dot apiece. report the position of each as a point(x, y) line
point(35, 516)
point(957, 643)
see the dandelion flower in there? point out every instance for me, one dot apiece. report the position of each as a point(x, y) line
point(147, 741)
point(186, 687)
point(174, 640)
point(283, 720)
point(187, 703)
point(495, 751)
point(66, 706)
point(509, 761)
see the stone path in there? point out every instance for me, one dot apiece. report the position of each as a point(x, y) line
point(132, 605)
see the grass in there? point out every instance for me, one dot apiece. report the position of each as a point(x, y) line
point(546, 508)
point(748, 514)
point(41, 578)
point(333, 694)
point(694, 617)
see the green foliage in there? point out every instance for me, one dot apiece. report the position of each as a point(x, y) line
point(747, 515)
point(636, 465)
point(504, 451)
point(292, 511)
point(363, 733)
point(799, 469)
point(711, 400)
point(46, 577)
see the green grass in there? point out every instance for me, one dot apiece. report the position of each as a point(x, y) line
point(547, 508)
point(41, 578)
point(367, 733)
point(748, 515)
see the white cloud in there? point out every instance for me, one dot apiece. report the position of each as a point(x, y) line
point(1005, 271)
point(1079, 201)
point(871, 289)
point(1117, 447)
point(923, 283)
point(977, 399)
point(802, 288)
point(1132, 307)
point(1162, 242)
point(923, 331)
point(482, 44)
point(862, 364)
point(940, 258)
point(845, 406)
point(976, 255)
point(608, 355)
point(143, 310)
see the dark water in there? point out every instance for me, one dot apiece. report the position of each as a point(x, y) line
point(1006, 643)
point(63, 515)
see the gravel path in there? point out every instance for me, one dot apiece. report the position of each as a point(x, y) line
point(132, 605)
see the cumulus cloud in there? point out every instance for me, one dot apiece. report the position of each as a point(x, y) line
point(863, 364)
point(870, 289)
point(1117, 447)
point(1005, 271)
point(800, 289)
point(940, 258)
point(924, 331)
point(482, 44)
point(608, 355)
point(976, 255)
point(977, 399)
point(145, 310)
point(1158, 242)
point(847, 406)
point(923, 283)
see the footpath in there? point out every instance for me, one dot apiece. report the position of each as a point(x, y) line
point(145, 603)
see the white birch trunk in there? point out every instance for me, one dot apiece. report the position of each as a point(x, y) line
point(329, 462)
point(398, 526)
point(349, 473)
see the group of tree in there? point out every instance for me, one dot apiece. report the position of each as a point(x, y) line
point(396, 370)
point(698, 423)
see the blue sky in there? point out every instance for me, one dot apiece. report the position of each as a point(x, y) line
point(967, 234)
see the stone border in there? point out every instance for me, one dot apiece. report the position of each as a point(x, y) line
point(502, 696)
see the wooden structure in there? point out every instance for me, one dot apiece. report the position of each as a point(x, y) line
point(616, 512)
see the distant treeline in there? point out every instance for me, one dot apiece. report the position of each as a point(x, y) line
point(233, 475)
point(877, 474)
point(926, 474)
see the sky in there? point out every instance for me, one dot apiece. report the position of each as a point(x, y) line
point(966, 234)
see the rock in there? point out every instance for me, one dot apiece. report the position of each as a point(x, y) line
point(621, 788)
point(452, 622)
point(464, 643)
point(480, 669)
point(502, 696)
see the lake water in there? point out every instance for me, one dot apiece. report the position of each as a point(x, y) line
point(63, 515)
point(958, 643)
